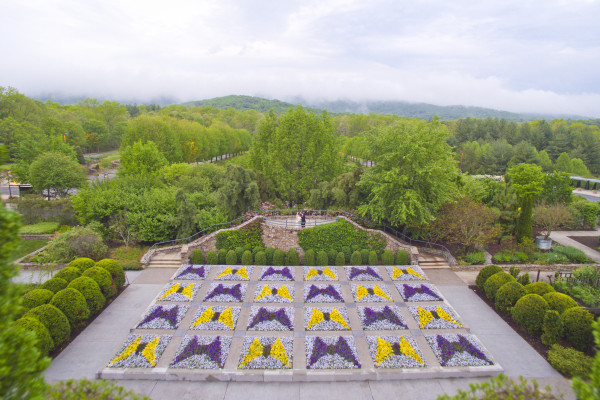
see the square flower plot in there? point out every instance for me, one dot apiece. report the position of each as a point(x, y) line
point(235, 273)
point(395, 352)
point(315, 293)
point(163, 316)
point(216, 318)
point(379, 318)
point(202, 352)
point(326, 319)
point(371, 293)
point(331, 352)
point(435, 317)
point(271, 319)
point(418, 292)
point(267, 353)
point(406, 273)
point(140, 351)
point(458, 350)
point(274, 293)
point(179, 292)
point(277, 274)
point(226, 292)
point(320, 274)
point(362, 274)
point(192, 272)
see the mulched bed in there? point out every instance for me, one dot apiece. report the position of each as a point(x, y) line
point(589, 241)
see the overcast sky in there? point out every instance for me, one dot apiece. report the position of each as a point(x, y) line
point(523, 56)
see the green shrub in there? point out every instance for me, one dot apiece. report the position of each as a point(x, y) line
point(103, 279)
point(91, 291)
point(338, 235)
point(260, 258)
point(37, 297)
point(402, 257)
point(77, 242)
point(44, 341)
point(231, 257)
point(529, 312)
point(494, 282)
point(68, 274)
point(331, 255)
point(347, 253)
point(269, 251)
point(573, 254)
point(41, 228)
point(475, 258)
point(239, 252)
point(222, 256)
point(82, 263)
point(508, 295)
point(212, 258)
point(550, 258)
point(503, 388)
point(292, 257)
point(356, 259)
point(485, 273)
point(309, 257)
point(322, 258)
point(340, 259)
point(197, 257)
point(570, 362)
point(114, 269)
point(373, 259)
point(53, 319)
point(279, 257)
point(387, 258)
point(250, 235)
point(247, 258)
point(364, 254)
point(559, 301)
point(90, 390)
point(552, 328)
point(540, 288)
point(72, 303)
point(55, 284)
point(578, 327)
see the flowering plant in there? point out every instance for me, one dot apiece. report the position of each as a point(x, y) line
point(163, 317)
point(206, 352)
point(381, 318)
point(337, 352)
point(395, 352)
point(140, 351)
point(457, 350)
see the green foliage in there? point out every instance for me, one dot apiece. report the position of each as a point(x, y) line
point(55, 284)
point(91, 390)
point(540, 288)
point(141, 159)
point(91, 291)
point(247, 258)
point(507, 295)
point(356, 259)
point(559, 301)
point(338, 235)
point(77, 242)
point(529, 312)
point(588, 388)
point(322, 258)
point(68, 274)
point(570, 362)
point(103, 279)
point(197, 256)
point(222, 256)
point(55, 172)
point(250, 235)
point(572, 253)
point(53, 319)
point(279, 257)
point(292, 257)
point(373, 258)
point(37, 297)
point(578, 327)
point(238, 191)
point(485, 273)
point(82, 263)
point(347, 253)
point(269, 251)
point(309, 257)
point(527, 181)
point(44, 341)
point(557, 188)
point(231, 257)
point(72, 303)
point(212, 258)
point(260, 258)
point(239, 252)
point(552, 328)
point(115, 269)
point(364, 254)
point(331, 255)
point(340, 259)
point(402, 257)
point(477, 257)
point(494, 282)
point(40, 228)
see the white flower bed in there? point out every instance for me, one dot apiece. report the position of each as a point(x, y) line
point(163, 316)
point(458, 350)
point(363, 273)
point(320, 274)
point(371, 292)
point(140, 351)
point(395, 352)
point(267, 353)
point(271, 319)
point(274, 293)
point(192, 272)
point(323, 293)
point(418, 292)
point(234, 273)
point(226, 292)
point(216, 318)
point(273, 273)
point(326, 319)
point(435, 317)
point(331, 352)
point(406, 273)
point(202, 352)
point(179, 291)
point(380, 318)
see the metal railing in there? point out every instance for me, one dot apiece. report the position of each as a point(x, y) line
point(293, 223)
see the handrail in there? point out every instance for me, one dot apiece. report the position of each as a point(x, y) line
point(295, 224)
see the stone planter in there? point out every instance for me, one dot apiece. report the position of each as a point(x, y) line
point(543, 244)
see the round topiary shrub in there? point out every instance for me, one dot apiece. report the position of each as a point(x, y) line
point(485, 273)
point(53, 319)
point(570, 362)
point(103, 279)
point(279, 257)
point(197, 257)
point(68, 274)
point(55, 284)
point(247, 258)
point(347, 254)
point(540, 288)
point(356, 259)
point(529, 312)
point(114, 269)
point(270, 251)
point(309, 257)
point(72, 303)
point(37, 297)
point(508, 295)
point(577, 323)
point(82, 263)
point(91, 291)
point(331, 255)
point(387, 258)
point(340, 259)
point(231, 257)
point(239, 252)
point(552, 329)
point(494, 282)
point(559, 301)
point(402, 257)
point(322, 258)
point(373, 259)
point(212, 258)
point(44, 340)
point(260, 258)
point(222, 256)
point(364, 254)
point(292, 257)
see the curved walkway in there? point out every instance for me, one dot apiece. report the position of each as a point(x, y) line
point(562, 237)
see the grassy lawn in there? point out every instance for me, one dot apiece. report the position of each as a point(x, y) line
point(25, 247)
point(129, 257)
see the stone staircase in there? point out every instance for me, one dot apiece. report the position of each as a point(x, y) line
point(165, 260)
point(432, 261)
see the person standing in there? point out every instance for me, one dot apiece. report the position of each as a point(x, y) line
point(303, 219)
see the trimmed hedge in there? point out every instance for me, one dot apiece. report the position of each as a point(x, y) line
point(309, 257)
point(331, 255)
point(212, 258)
point(231, 258)
point(37, 297)
point(364, 254)
point(82, 263)
point(485, 273)
point(260, 258)
point(53, 319)
point(197, 257)
point(44, 340)
point(222, 256)
point(322, 258)
point(529, 312)
point(402, 257)
point(340, 259)
point(279, 257)
point(540, 288)
point(270, 251)
point(114, 269)
point(103, 279)
point(247, 258)
point(347, 254)
point(72, 303)
point(356, 259)
point(54, 284)
point(91, 291)
point(494, 282)
point(508, 295)
point(249, 236)
point(239, 252)
point(338, 235)
point(387, 258)
point(292, 257)
point(578, 327)
point(559, 301)
point(68, 274)
point(552, 329)
point(570, 362)
point(373, 259)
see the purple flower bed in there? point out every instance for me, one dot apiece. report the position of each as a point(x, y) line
point(202, 352)
point(179, 291)
point(226, 292)
point(406, 273)
point(331, 352)
point(140, 351)
point(320, 274)
point(234, 273)
point(326, 319)
point(163, 317)
point(216, 318)
point(418, 292)
point(192, 272)
point(267, 353)
point(315, 293)
point(458, 350)
point(369, 292)
point(377, 318)
point(362, 274)
point(277, 274)
point(274, 293)
point(435, 317)
point(395, 352)
point(271, 319)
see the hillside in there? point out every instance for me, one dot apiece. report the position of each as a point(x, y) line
point(243, 103)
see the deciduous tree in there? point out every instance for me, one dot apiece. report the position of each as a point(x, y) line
point(55, 172)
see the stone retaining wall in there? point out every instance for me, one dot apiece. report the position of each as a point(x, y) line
point(209, 242)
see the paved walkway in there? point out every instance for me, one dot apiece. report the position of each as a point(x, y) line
point(92, 349)
point(562, 238)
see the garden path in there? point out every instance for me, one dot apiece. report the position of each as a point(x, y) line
point(562, 238)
